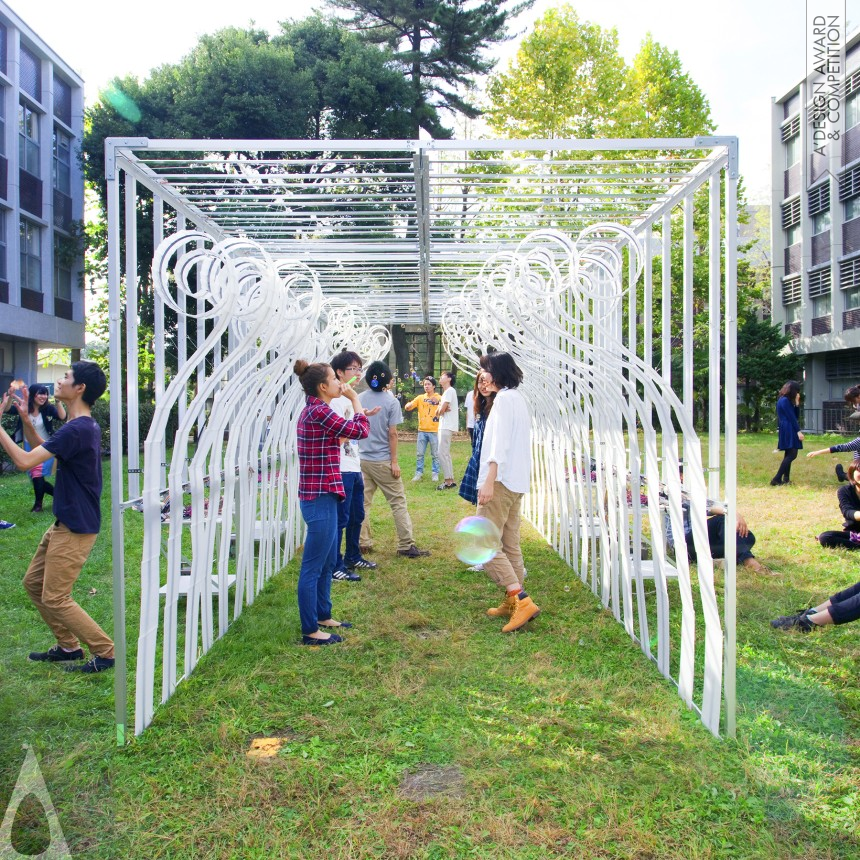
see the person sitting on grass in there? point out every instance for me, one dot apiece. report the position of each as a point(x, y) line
point(852, 398)
point(849, 503)
point(842, 607)
point(716, 523)
point(66, 545)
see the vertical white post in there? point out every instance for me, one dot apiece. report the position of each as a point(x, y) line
point(116, 435)
point(689, 237)
point(157, 236)
point(731, 390)
point(714, 339)
point(666, 302)
point(131, 358)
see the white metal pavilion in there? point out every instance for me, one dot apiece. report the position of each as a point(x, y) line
point(561, 251)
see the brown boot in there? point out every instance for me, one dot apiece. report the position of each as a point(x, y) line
point(524, 611)
point(506, 608)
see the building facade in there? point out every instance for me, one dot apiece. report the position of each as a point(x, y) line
point(41, 201)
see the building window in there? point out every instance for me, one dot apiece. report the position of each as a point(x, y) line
point(4, 43)
point(792, 151)
point(792, 235)
point(852, 298)
point(28, 139)
point(793, 313)
point(852, 110)
point(62, 162)
point(821, 306)
point(62, 101)
point(62, 271)
point(31, 256)
point(3, 121)
point(3, 270)
point(852, 208)
point(31, 74)
point(820, 223)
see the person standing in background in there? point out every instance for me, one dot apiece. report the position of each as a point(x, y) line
point(45, 418)
point(428, 422)
point(470, 414)
point(790, 435)
point(449, 424)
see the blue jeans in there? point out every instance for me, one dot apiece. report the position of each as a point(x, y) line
point(423, 439)
point(350, 516)
point(318, 558)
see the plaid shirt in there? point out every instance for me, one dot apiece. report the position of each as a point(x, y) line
point(319, 432)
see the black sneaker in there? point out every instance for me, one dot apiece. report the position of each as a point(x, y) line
point(840, 472)
point(55, 655)
point(96, 664)
point(362, 564)
point(800, 621)
point(346, 576)
point(413, 552)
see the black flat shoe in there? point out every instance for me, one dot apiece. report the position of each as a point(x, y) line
point(313, 641)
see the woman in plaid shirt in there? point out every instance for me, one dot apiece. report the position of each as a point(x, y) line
point(319, 432)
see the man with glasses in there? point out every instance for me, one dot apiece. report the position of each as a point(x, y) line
point(347, 368)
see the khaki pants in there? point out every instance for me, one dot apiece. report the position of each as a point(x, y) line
point(50, 577)
point(377, 474)
point(506, 568)
point(446, 464)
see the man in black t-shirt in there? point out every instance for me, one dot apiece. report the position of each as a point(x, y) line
point(66, 545)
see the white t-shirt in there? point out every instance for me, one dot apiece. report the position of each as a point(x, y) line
point(349, 460)
point(470, 409)
point(507, 441)
point(449, 420)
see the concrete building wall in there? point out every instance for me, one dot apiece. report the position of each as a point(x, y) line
point(41, 200)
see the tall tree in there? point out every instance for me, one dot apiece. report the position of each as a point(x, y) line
point(316, 79)
point(440, 46)
point(565, 81)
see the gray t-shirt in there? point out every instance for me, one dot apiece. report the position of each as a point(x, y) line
point(375, 447)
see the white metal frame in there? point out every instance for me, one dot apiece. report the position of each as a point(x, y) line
point(337, 233)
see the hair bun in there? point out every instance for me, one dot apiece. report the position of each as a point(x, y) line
point(300, 366)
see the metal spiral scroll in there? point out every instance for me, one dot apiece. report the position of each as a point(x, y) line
point(606, 451)
point(233, 453)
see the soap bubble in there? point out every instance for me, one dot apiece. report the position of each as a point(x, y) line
point(477, 540)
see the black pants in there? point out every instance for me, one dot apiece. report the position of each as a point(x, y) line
point(784, 472)
point(837, 539)
point(845, 605)
point(41, 486)
point(717, 541)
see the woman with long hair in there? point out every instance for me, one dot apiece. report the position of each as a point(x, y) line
point(319, 433)
point(483, 397)
point(503, 480)
point(790, 435)
point(45, 417)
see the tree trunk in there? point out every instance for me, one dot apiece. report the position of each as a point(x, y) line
point(401, 350)
point(430, 369)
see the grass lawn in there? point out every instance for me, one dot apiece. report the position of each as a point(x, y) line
point(561, 741)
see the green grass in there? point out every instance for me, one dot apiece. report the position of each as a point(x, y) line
point(570, 743)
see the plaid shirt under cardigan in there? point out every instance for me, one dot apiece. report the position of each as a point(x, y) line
point(319, 430)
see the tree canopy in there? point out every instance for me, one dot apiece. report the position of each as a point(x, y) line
point(438, 44)
point(569, 80)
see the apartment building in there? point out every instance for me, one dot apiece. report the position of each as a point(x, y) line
point(41, 201)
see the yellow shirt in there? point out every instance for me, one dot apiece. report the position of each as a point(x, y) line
point(426, 405)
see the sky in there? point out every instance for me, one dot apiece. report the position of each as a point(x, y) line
point(741, 53)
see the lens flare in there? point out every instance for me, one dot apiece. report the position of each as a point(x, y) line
point(124, 105)
point(477, 540)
